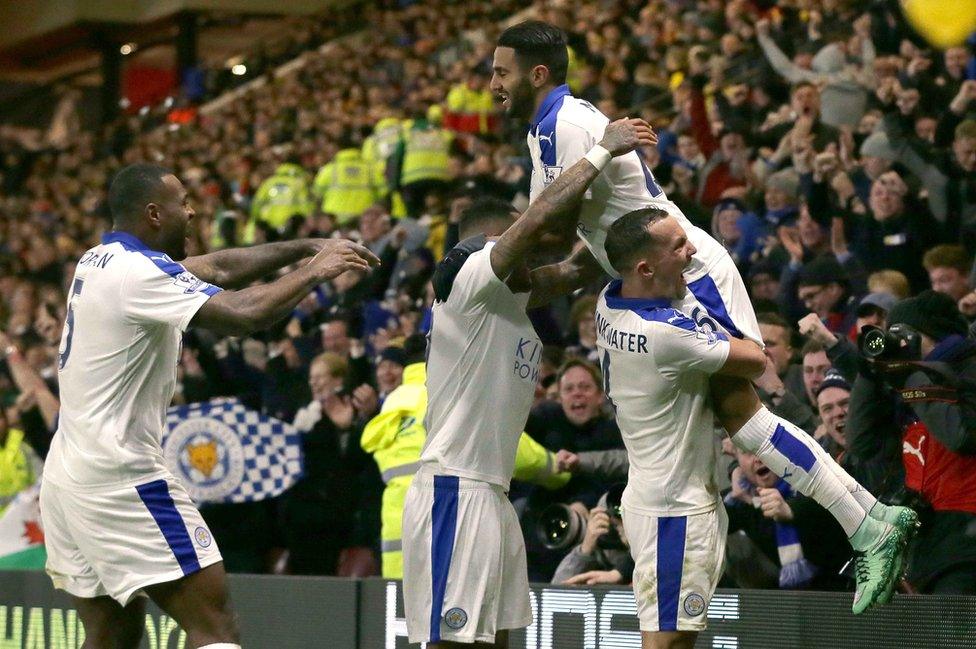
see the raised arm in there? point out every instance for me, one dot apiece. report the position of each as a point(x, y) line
point(553, 208)
point(236, 267)
point(237, 313)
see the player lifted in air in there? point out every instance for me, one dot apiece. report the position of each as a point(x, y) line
point(529, 75)
point(117, 524)
point(464, 566)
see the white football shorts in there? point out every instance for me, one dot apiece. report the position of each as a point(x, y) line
point(678, 562)
point(115, 542)
point(464, 570)
point(719, 300)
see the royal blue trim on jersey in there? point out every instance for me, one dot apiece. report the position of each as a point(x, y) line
point(706, 292)
point(670, 559)
point(544, 124)
point(650, 309)
point(615, 301)
point(155, 495)
point(652, 187)
point(134, 244)
point(792, 448)
point(443, 528)
point(161, 259)
point(549, 105)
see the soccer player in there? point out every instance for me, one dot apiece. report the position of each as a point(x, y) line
point(117, 524)
point(529, 65)
point(464, 567)
point(656, 368)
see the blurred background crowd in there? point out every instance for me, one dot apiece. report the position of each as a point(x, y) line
point(824, 142)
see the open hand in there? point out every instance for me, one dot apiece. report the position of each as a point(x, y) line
point(339, 255)
point(594, 577)
point(627, 134)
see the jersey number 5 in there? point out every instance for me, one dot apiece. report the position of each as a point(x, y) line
point(69, 323)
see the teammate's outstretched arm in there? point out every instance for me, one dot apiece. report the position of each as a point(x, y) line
point(553, 207)
point(237, 313)
point(236, 267)
point(746, 359)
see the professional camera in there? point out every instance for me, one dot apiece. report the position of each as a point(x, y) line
point(899, 343)
point(561, 527)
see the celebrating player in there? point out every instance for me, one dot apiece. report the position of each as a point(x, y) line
point(530, 64)
point(464, 567)
point(656, 368)
point(117, 524)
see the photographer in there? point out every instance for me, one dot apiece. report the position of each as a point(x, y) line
point(920, 376)
point(602, 557)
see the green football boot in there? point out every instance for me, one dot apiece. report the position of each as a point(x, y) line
point(906, 520)
point(877, 569)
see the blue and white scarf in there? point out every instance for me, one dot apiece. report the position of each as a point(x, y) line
point(795, 571)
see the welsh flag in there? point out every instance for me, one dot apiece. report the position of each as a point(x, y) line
point(21, 537)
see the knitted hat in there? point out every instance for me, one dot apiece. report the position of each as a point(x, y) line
point(931, 313)
point(822, 271)
point(833, 379)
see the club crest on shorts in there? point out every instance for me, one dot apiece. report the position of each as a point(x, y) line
point(203, 537)
point(694, 604)
point(207, 456)
point(455, 618)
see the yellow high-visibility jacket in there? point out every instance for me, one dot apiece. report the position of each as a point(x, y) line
point(346, 186)
point(16, 469)
point(395, 437)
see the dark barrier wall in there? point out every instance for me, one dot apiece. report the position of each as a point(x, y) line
point(605, 618)
point(274, 613)
point(313, 612)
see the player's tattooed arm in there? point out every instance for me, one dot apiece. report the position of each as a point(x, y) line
point(555, 280)
point(553, 210)
point(237, 267)
point(237, 313)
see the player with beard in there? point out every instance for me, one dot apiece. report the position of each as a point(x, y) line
point(530, 63)
point(117, 524)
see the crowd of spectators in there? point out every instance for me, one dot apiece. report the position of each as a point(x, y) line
point(822, 141)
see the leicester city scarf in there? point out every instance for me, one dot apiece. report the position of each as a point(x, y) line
point(795, 571)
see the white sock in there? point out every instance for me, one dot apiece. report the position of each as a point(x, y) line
point(222, 645)
point(796, 457)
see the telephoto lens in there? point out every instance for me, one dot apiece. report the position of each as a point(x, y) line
point(561, 527)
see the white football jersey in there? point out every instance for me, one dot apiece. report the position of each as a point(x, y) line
point(482, 368)
point(119, 350)
point(656, 367)
point(560, 134)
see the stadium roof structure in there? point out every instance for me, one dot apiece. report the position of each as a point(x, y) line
point(45, 40)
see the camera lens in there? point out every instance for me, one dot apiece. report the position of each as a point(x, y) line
point(560, 527)
point(873, 345)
